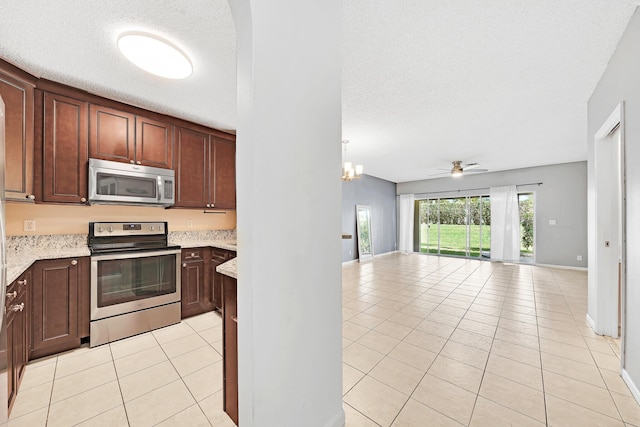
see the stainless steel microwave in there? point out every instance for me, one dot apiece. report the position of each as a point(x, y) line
point(126, 184)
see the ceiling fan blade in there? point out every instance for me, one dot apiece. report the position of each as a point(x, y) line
point(470, 166)
point(475, 170)
point(441, 173)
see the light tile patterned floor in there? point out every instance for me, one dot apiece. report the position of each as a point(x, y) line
point(168, 377)
point(436, 341)
point(428, 341)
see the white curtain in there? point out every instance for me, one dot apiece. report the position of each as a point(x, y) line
point(505, 224)
point(405, 223)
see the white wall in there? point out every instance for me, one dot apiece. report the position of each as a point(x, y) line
point(621, 82)
point(289, 222)
point(562, 197)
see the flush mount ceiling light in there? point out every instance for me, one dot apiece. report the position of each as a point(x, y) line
point(349, 173)
point(155, 55)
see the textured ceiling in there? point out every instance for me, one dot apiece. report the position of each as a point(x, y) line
point(503, 83)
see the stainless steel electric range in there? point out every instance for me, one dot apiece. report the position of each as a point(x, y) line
point(135, 279)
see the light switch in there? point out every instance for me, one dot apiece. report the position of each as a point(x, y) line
point(552, 222)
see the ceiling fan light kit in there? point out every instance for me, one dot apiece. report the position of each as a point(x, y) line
point(456, 170)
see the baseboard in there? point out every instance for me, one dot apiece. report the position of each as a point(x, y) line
point(338, 420)
point(631, 385)
point(591, 323)
point(374, 256)
point(562, 267)
point(385, 254)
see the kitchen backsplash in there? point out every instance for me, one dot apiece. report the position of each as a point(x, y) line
point(199, 235)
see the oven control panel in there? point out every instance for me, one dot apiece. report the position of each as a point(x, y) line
point(104, 229)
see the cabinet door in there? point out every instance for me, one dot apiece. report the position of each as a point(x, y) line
point(9, 318)
point(63, 157)
point(111, 134)
point(192, 288)
point(154, 143)
point(54, 307)
point(19, 125)
point(192, 169)
point(196, 295)
point(224, 174)
point(218, 257)
point(20, 345)
point(230, 348)
point(84, 296)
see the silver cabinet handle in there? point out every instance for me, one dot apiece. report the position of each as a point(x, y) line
point(22, 282)
point(74, 262)
point(31, 197)
point(193, 254)
point(234, 318)
point(12, 294)
point(17, 307)
point(132, 162)
point(184, 264)
point(138, 162)
point(83, 200)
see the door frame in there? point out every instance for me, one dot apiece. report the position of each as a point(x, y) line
point(615, 120)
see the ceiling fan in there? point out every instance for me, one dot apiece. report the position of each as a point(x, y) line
point(460, 168)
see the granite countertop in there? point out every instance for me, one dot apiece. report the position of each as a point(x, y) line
point(229, 245)
point(23, 251)
point(229, 268)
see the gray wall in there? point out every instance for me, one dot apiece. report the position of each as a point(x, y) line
point(381, 196)
point(562, 197)
point(621, 82)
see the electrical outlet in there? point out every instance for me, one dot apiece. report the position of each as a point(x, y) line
point(29, 225)
point(579, 257)
point(189, 223)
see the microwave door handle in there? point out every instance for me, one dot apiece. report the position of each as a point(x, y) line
point(159, 187)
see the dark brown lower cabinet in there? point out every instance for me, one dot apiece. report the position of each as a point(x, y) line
point(195, 295)
point(17, 334)
point(230, 346)
point(58, 309)
point(218, 256)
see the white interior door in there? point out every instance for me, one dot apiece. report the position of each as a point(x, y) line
point(609, 226)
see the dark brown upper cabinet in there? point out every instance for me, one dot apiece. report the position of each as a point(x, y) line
point(16, 89)
point(205, 170)
point(124, 137)
point(61, 148)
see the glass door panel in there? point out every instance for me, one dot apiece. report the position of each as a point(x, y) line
point(453, 226)
point(429, 226)
point(475, 227)
point(485, 211)
point(525, 205)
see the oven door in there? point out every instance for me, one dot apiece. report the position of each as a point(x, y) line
point(127, 282)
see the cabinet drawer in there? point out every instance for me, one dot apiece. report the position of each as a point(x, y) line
point(218, 254)
point(193, 254)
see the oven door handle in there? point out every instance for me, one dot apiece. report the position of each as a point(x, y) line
point(134, 254)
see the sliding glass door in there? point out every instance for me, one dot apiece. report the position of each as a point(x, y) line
point(458, 226)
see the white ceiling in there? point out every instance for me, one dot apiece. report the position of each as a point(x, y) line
point(503, 83)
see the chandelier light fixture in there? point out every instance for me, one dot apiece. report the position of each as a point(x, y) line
point(349, 172)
